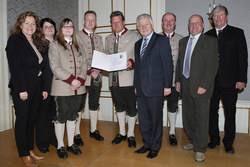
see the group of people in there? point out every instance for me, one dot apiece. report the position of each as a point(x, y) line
point(51, 72)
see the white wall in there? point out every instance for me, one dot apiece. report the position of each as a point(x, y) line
point(238, 16)
point(5, 115)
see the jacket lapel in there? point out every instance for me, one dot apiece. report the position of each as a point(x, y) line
point(150, 45)
point(198, 44)
point(138, 48)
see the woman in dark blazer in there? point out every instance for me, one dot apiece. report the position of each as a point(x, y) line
point(27, 72)
point(45, 131)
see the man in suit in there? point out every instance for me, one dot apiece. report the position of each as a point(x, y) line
point(152, 81)
point(168, 25)
point(195, 72)
point(90, 41)
point(121, 82)
point(230, 79)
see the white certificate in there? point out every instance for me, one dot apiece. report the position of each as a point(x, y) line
point(113, 62)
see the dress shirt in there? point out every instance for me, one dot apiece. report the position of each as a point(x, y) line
point(195, 39)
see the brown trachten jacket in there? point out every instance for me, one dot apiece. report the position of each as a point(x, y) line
point(66, 66)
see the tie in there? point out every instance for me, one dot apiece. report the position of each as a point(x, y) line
point(91, 35)
point(144, 46)
point(115, 73)
point(219, 31)
point(116, 43)
point(186, 71)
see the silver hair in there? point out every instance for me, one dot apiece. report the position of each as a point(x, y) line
point(220, 8)
point(144, 16)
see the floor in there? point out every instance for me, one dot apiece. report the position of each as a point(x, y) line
point(104, 154)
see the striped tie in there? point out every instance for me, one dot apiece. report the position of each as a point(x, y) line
point(144, 46)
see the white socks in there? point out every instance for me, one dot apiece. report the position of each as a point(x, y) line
point(172, 122)
point(93, 120)
point(131, 126)
point(78, 122)
point(70, 125)
point(59, 131)
point(121, 120)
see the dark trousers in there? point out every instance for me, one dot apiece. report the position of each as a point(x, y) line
point(172, 99)
point(25, 116)
point(195, 113)
point(45, 131)
point(67, 107)
point(150, 119)
point(229, 98)
point(124, 99)
point(94, 91)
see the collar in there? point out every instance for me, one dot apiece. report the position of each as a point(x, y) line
point(122, 32)
point(87, 32)
point(149, 36)
point(195, 37)
point(171, 35)
point(220, 29)
point(68, 41)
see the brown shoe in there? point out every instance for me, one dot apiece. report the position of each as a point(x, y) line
point(28, 161)
point(35, 156)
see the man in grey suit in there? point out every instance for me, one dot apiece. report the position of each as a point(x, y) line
point(195, 73)
point(152, 81)
point(168, 25)
point(121, 82)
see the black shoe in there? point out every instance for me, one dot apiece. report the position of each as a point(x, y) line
point(74, 149)
point(131, 142)
point(62, 153)
point(142, 150)
point(119, 138)
point(43, 150)
point(78, 140)
point(96, 135)
point(212, 145)
point(152, 154)
point(172, 140)
point(229, 149)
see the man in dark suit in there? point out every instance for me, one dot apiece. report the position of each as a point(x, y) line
point(231, 76)
point(195, 72)
point(152, 81)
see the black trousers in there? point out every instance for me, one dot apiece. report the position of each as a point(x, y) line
point(172, 99)
point(124, 99)
point(229, 98)
point(94, 91)
point(150, 118)
point(26, 116)
point(45, 131)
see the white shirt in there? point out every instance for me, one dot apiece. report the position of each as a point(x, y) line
point(148, 39)
point(195, 39)
point(217, 30)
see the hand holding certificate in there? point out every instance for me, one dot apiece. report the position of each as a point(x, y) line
point(113, 62)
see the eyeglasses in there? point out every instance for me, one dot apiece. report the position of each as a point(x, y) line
point(48, 27)
point(68, 27)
